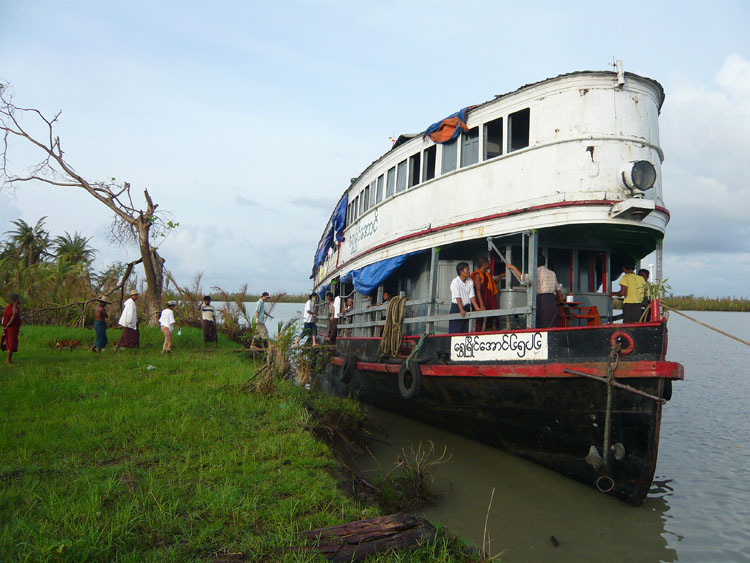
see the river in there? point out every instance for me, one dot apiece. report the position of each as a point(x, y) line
point(699, 505)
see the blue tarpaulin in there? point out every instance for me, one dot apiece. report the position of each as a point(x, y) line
point(339, 218)
point(337, 229)
point(367, 279)
point(322, 252)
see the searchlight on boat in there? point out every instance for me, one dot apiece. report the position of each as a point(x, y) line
point(637, 176)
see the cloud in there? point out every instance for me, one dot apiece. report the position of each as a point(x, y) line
point(314, 202)
point(706, 179)
point(242, 200)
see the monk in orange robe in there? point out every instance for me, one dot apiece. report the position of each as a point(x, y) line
point(485, 288)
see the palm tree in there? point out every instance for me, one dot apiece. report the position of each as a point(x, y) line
point(30, 243)
point(73, 249)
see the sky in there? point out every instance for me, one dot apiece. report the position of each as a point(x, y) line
point(247, 120)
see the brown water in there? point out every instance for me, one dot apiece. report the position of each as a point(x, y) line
point(699, 505)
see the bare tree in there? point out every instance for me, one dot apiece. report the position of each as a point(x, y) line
point(131, 223)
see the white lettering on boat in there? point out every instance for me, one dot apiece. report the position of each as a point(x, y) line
point(498, 347)
point(361, 232)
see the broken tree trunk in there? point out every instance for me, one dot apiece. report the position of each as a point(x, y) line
point(356, 540)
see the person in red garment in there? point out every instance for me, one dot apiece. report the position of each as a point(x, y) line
point(11, 326)
point(485, 287)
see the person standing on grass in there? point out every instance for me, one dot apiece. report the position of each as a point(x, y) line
point(167, 322)
point(11, 327)
point(130, 338)
point(208, 322)
point(100, 324)
point(260, 316)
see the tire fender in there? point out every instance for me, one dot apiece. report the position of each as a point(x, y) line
point(347, 368)
point(409, 386)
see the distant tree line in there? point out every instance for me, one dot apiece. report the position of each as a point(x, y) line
point(54, 274)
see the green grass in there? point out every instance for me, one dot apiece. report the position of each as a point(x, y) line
point(136, 456)
point(694, 303)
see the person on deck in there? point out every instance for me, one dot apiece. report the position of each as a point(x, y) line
point(167, 322)
point(334, 309)
point(208, 322)
point(645, 274)
point(632, 289)
point(463, 298)
point(100, 324)
point(130, 338)
point(260, 316)
point(309, 328)
point(548, 293)
point(11, 327)
point(485, 287)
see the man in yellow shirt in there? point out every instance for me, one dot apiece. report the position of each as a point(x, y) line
point(631, 287)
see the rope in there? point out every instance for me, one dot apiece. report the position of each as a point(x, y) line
point(390, 342)
point(745, 342)
point(414, 352)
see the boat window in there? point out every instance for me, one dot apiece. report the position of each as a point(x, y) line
point(429, 163)
point(470, 147)
point(493, 138)
point(355, 205)
point(414, 169)
point(379, 197)
point(348, 214)
point(450, 153)
point(391, 183)
point(364, 200)
point(518, 130)
point(401, 177)
point(372, 199)
point(591, 268)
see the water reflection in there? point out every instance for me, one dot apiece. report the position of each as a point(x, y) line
point(530, 503)
point(698, 508)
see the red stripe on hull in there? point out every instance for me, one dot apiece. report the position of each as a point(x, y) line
point(625, 370)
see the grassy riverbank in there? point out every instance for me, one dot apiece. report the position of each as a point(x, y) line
point(693, 303)
point(140, 456)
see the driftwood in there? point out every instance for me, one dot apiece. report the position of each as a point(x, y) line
point(357, 540)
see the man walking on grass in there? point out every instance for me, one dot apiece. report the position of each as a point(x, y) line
point(130, 338)
point(260, 316)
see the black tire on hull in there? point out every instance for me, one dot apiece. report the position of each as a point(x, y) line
point(347, 368)
point(409, 380)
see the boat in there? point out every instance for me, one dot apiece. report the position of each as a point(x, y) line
point(567, 168)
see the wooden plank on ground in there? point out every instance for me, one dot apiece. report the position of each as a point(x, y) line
point(354, 541)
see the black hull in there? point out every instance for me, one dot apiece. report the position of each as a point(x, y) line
point(536, 410)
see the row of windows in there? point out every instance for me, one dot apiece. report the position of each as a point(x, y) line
point(420, 167)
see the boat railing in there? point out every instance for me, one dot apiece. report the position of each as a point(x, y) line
point(365, 321)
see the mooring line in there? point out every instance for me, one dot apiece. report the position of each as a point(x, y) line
point(745, 342)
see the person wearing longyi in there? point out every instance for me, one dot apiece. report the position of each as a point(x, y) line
point(130, 338)
point(463, 298)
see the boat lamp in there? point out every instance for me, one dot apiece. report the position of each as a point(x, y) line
point(637, 176)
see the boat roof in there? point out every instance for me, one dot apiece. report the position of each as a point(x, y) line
point(406, 137)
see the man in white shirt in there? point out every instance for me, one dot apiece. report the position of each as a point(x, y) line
point(309, 328)
point(130, 338)
point(462, 298)
point(167, 322)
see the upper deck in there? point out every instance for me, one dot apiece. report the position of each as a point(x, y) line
point(551, 153)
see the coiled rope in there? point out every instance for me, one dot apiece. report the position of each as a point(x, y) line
point(390, 342)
